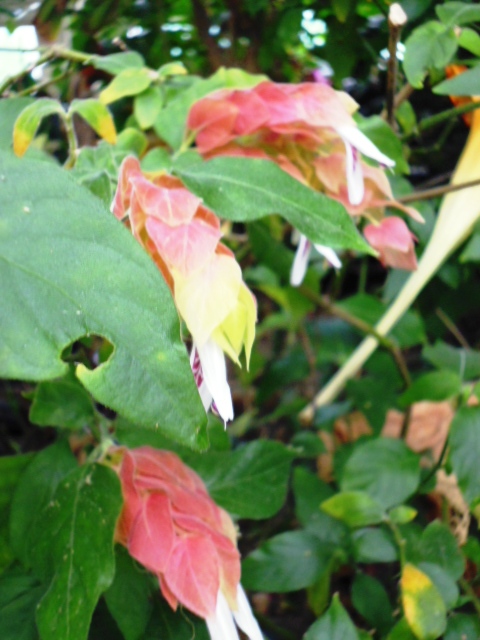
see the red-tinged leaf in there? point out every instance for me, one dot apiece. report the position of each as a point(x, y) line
point(98, 117)
point(28, 121)
point(187, 247)
point(152, 536)
point(190, 578)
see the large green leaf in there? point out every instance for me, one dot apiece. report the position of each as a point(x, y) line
point(245, 189)
point(68, 268)
point(74, 550)
point(250, 482)
point(288, 562)
point(384, 468)
point(464, 442)
point(464, 362)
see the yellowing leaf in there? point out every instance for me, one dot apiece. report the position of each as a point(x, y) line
point(98, 117)
point(129, 82)
point(422, 604)
point(28, 121)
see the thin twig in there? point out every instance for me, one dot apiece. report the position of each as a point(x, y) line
point(46, 56)
point(437, 191)
point(396, 20)
point(451, 326)
point(363, 326)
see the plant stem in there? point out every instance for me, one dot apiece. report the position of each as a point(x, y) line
point(438, 118)
point(401, 542)
point(72, 142)
point(363, 326)
point(437, 191)
point(48, 54)
point(468, 589)
point(396, 20)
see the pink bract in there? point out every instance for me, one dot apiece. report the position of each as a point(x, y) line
point(172, 527)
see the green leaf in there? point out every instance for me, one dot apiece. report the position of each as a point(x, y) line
point(62, 403)
point(310, 492)
point(464, 440)
point(34, 491)
point(461, 625)
point(11, 468)
point(464, 362)
point(470, 40)
point(422, 604)
point(129, 596)
point(250, 482)
point(371, 601)
point(115, 63)
point(245, 189)
point(98, 117)
point(465, 84)
point(457, 13)
point(374, 545)
point(129, 82)
point(402, 514)
point(19, 596)
point(446, 586)
point(147, 106)
point(471, 253)
point(434, 386)
point(401, 631)
point(75, 550)
point(384, 468)
point(71, 269)
point(335, 624)
point(430, 46)
point(354, 508)
point(287, 562)
point(383, 137)
point(28, 121)
point(439, 546)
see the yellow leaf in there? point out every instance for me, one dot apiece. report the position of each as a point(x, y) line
point(422, 604)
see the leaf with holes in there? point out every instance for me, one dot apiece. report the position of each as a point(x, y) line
point(67, 269)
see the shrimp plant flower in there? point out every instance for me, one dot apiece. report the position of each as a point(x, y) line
point(183, 238)
point(309, 131)
point(172, 527)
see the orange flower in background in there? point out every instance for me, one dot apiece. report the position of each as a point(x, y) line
point(183, 238)
point(171, 526)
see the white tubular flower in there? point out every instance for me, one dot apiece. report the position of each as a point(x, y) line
point(221, 625)
point(211, 377)
point(302, 254)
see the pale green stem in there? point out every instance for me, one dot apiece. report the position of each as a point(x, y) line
point(457, 216)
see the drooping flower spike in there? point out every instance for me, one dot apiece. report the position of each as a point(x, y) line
point(183, 238)
point(308, 130)
point(171, 526)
